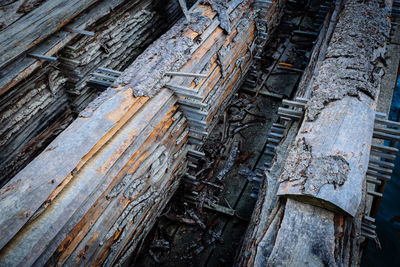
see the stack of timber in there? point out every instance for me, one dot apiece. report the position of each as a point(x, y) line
point(312, 204)
point(41, 94)
point(93, 194)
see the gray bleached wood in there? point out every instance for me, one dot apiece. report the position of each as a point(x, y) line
point(327, 164)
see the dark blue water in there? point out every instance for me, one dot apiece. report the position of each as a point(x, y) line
point(388, 217)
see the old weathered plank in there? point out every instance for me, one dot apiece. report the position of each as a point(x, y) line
point(100, 170)
point(311, 244)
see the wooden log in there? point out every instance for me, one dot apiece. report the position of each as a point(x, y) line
point(331, 175)
point(320, 166)
point(318, 232)
point(36, 26)
point(22, 67)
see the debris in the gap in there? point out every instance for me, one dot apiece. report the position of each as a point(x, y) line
point(211, 173)
point(172, 217)
point(224, 129)
point(206, 167)
point(213, 185)
point(255, 115)
point(214, 235)
point(247, 125)
point(154, 256)
point(284, 64)
point(200, 200)
point(212, 206)
point(238, 117)
point(291, 69)
point(227, 203)
point(230, 161)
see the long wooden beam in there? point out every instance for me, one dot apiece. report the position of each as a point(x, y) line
point(33, 28)
point(94, 193)
point(21, 66)
point(32, 111)
point(327, 162)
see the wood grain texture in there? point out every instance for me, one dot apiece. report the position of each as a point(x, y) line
point(20, 68)
point(327, 164)
point(312, 244)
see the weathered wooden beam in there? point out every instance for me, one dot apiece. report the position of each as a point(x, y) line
point(187, 74)
point(29, 122)
point(319, 168)
point(21, 68)
point(316, 222)
point(110, 174)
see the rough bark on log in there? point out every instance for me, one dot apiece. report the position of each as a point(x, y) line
point(323, 234)
point(319, 52)
point(34, 111)
point(327, 165)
